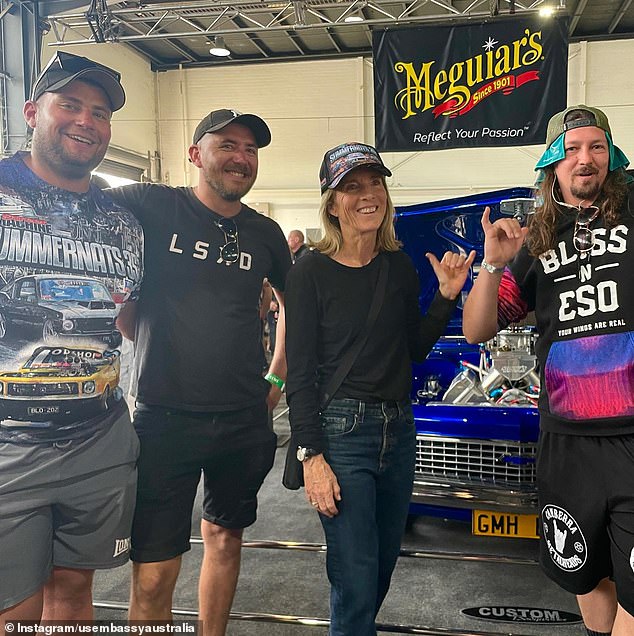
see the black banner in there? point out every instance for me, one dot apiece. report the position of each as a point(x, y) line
point(490, 84)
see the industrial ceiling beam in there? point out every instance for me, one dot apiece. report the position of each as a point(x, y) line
point(577, 16)
point(619, 15)
point(256, 18)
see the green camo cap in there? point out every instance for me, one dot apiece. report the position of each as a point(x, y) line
point(558, 123)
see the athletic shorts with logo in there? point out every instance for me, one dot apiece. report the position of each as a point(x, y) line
point(586, 500)
point(66, 504)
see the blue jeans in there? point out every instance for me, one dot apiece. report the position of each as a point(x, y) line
point(371, 448)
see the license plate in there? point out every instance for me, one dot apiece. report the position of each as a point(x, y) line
point(504, 524)
point(42, 410)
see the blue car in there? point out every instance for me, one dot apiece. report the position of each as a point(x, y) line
point(474, 405)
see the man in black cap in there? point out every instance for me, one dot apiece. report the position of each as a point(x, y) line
point(67, 467)
point(201, 397)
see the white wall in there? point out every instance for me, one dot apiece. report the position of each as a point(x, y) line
point(303, 103)
point(314, 105)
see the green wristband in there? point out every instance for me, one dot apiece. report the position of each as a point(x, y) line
point(276, 380)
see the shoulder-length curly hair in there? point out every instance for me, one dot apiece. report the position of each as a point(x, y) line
point(542, 228)
point(332, 240)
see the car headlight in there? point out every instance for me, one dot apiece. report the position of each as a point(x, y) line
point(68, 325)
point(88, 387)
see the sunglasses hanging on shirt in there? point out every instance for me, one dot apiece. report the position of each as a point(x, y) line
point(582, 238)
point(230, 251)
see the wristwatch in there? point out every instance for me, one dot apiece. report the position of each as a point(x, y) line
point(492, 269)
point(304, 453)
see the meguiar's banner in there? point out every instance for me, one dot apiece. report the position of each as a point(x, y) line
point(490, 84)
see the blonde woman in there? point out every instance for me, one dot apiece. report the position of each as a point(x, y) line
point(358, 453)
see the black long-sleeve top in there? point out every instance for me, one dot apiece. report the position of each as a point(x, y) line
point(326, 306)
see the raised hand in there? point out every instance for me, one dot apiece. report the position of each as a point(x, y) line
point(451, 271)
point(502, 239)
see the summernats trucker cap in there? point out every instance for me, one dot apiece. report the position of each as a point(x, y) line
point(218, 119)
point(339, 161)
point(64, 68)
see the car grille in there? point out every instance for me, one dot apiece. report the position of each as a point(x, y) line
point(94, 325)
point(98, 304)
point(476, 461)
point(42, 389)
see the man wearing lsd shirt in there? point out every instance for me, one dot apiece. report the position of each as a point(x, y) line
point(201, 398)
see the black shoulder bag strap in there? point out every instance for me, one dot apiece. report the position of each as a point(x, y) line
point(353, 352)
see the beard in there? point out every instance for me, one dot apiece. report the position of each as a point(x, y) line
point(586, 183)
point(62, 162)
point(228, 194)
point(588, 192)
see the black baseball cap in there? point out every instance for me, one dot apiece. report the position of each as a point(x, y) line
point(64, 68)
point(218, 119)
point(340, 160)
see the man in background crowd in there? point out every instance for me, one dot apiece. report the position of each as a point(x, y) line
point(296, 244)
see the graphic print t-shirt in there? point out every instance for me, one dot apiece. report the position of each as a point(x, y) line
point(585, 319)
point(67, 263)
point(198, 342)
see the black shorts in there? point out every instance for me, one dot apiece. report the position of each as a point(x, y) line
point(234, 450)
point(586, 500)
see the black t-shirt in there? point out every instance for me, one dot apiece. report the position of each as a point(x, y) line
point(584, 309)
point(326, 305)
point(198, 337)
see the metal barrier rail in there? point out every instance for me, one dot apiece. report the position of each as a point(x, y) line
point(284, 412)
point(405, 552)
point(314, 621)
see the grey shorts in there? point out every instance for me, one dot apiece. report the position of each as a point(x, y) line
point(66, 504)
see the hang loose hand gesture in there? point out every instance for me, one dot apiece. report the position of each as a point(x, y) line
point(451, 272)
point(502, 239)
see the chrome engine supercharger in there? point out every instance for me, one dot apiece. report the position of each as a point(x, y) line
point(507, 374)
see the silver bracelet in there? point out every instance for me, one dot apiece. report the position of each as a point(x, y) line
point(492, 269)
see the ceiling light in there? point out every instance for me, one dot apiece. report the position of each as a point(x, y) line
point(355, 13)
point(218, 47)
point(546, 12)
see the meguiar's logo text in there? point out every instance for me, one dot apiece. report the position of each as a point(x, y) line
point(456, 90)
